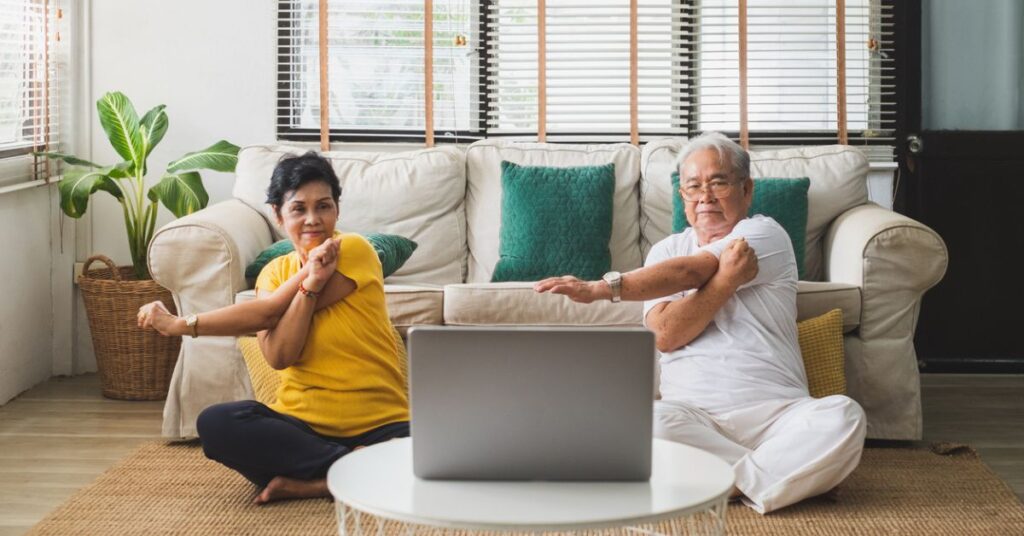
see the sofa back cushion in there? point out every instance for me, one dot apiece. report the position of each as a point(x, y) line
point(484, 196)
point(838, 175)
point(416, 194)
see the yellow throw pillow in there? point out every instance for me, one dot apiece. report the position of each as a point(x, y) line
point(821, 344)
point(265, 380)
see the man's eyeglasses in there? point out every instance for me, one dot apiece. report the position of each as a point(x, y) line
point(719, 188)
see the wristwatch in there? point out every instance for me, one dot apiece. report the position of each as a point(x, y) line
point(614, 280)
point(192, 321)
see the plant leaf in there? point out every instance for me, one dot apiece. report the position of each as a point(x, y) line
point(155, 123)
point(122, 170)
point(79, 183)
point(181, 193)
point(67, 158)
point(121, 123)
point(221, 156)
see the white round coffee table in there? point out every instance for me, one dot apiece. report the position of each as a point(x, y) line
point(375, 492)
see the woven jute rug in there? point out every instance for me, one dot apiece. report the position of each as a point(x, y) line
point(173, 489)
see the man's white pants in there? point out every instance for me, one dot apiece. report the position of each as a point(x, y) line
point(782, 451)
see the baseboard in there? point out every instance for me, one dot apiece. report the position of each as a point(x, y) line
point(971, 366)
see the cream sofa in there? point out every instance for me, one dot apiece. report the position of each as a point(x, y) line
point(872, 263)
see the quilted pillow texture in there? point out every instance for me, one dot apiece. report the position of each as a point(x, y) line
point(555, 221)
point(393, 251)
point(783, 200)
point(821, 344)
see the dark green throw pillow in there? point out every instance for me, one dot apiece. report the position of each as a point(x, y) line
point(555, 221)
point(393, 251)
point(784, 200)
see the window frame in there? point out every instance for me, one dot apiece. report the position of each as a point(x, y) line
point(21, 154)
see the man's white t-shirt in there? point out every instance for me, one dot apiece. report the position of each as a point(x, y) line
point(749, 352)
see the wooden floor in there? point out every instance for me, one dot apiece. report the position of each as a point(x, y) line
point(982, 410)
point(59, 436)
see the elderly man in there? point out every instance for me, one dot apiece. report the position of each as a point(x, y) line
point(721, 301)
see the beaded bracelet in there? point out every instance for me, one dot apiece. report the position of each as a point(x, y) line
point(306, 292)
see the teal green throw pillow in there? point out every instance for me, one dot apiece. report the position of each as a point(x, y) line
point(555, 221)
point(393, 251)
point(784, 200)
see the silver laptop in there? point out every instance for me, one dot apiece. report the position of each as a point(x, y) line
point(524, 403)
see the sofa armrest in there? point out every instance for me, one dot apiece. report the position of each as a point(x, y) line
point(882, 251)
point(894, 260)
point(201, 258)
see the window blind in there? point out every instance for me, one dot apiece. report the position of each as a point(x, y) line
point(376, 69)
point(792, 78)
point(588, 49)
point(613, 70)
point(30, 90)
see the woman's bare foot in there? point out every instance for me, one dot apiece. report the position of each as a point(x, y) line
point(282, 487)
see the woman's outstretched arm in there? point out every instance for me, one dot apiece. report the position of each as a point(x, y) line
point(245, 318)
point(238, 319)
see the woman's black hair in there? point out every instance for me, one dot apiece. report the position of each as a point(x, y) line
point(294, 171)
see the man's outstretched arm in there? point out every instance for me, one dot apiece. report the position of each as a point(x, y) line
point(650, 282)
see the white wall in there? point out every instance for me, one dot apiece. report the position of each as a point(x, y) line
point(26, 317)
point(211, 62)
point(38, 247)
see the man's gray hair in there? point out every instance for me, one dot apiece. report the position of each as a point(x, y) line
point(728, 151)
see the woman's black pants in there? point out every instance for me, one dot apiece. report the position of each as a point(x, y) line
point(261, 443)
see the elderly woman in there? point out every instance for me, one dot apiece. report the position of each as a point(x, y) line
point(322, 322)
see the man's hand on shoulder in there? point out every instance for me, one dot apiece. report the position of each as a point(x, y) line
point(574, 288)
point(738, 264)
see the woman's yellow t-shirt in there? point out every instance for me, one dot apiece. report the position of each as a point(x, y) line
point(348, 379)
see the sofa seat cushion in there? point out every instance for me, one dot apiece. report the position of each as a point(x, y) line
point(484, 196)
point(815, 298)
point(516, 303)
point(408, 305)
point(416, 194)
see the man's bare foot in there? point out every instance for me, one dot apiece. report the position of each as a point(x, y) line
point(282, 487)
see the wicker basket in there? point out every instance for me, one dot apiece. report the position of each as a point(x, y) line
point(133, 364)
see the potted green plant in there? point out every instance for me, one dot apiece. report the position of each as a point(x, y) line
point(134, 364)
point(180, 189)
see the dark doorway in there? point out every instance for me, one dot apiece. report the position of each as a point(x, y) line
point(967, 185)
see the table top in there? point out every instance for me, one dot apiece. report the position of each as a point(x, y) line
point(378, 480)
